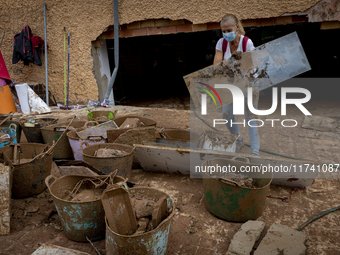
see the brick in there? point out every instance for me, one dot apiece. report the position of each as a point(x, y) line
point(265, 22)
point(123, 27)
point(244, 240)
point(133, 25)
point(177, 22)
point(162, 23)
point(284, 20)
point(154, 31)
point(213, 26)
point(183, 28)
point(199, 27)
point(298, 19)
point(282, 239)
point(126, 33)
point(147, 23)
point(187, 22)
point(330, 25)
point(109, 34)
point(169, 30)
point(139, 32)
point(249, 23)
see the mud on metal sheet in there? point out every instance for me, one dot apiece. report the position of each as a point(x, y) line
point(5, 199)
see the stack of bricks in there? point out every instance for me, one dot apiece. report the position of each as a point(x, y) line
point(165, 26)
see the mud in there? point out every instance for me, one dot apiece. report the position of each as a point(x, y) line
point(87, 195)
point(105, 153)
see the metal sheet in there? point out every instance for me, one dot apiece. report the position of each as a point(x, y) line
point(5, 199)
point(50, 249)
point(180, 160)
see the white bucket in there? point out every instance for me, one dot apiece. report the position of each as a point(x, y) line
point(22, 91)
point(36, 103)
point(211, 142)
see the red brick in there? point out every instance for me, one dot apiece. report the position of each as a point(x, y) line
point(126, 33)
point(183, 28)
point(249, 23)
point(109, 35)
point(265, 22)
point(298, 19)
point(187, 22)
point(133, 25)
point(139, 32)
point(213, 26)
point(199, 27)
point(162, 23)
point(147, 23)
point(283, 20)
point(154, 31)
point(169, 30)
point(123, 27)
point(177, 22)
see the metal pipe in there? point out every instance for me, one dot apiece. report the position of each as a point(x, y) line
point(116, 48)
point(46, 68)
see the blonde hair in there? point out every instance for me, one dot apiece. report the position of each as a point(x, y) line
point(233, 18)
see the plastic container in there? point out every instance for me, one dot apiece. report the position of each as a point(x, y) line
point(152, 242)
point(232, 202)
point(78, 219)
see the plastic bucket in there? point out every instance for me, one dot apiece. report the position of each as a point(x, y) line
point(232, 202)
point(33, 134)
point(75, 142)
point(28, 178)
point(78, 219)
point(110, 164)
point(22, 92)
point(11, 131)
point(152, 242)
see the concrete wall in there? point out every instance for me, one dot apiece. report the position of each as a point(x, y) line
point(87, 20)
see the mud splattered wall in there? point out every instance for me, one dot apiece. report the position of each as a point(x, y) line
point(87, 20)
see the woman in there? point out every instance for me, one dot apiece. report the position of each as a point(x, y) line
point(232, 43)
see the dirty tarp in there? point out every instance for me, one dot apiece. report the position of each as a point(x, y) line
point(267, 65)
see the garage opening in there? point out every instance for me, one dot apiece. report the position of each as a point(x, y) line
point(151, 67)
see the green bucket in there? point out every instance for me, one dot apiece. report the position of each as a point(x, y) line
point(232, 202)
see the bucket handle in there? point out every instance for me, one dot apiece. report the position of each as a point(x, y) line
point(13, 126)
point(48, 181)
point(243, 159)
point(82, 143)
point(93, 136)
point(91, 122)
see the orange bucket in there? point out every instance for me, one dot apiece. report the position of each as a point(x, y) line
point(7, 104)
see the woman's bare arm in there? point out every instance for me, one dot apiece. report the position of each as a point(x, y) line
point(218, 56)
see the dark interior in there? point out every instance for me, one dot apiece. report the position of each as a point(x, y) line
point(152, 67)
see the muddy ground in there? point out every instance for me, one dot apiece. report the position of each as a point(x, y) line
point(194, 230)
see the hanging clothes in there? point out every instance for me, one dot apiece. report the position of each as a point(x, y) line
point(26, 47)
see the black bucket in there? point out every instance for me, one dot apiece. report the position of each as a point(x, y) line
point(33, 134)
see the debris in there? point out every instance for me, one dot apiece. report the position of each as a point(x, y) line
point(32, 209)
point(53, 249)
point(106, 153)
point(131, 123)
point(94, 247)
point(319, 123)
point(5, 199)
point(159, 213)
point(239, 180)
point(283, 240)
point(118, 211)
point(142, 224)
point(99, 130)
point(87, 195)
point(244, 240)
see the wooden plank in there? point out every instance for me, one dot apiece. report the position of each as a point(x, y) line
point(5, 199)
point(182, 160)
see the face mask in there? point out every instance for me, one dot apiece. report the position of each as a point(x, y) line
point(229, 36)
